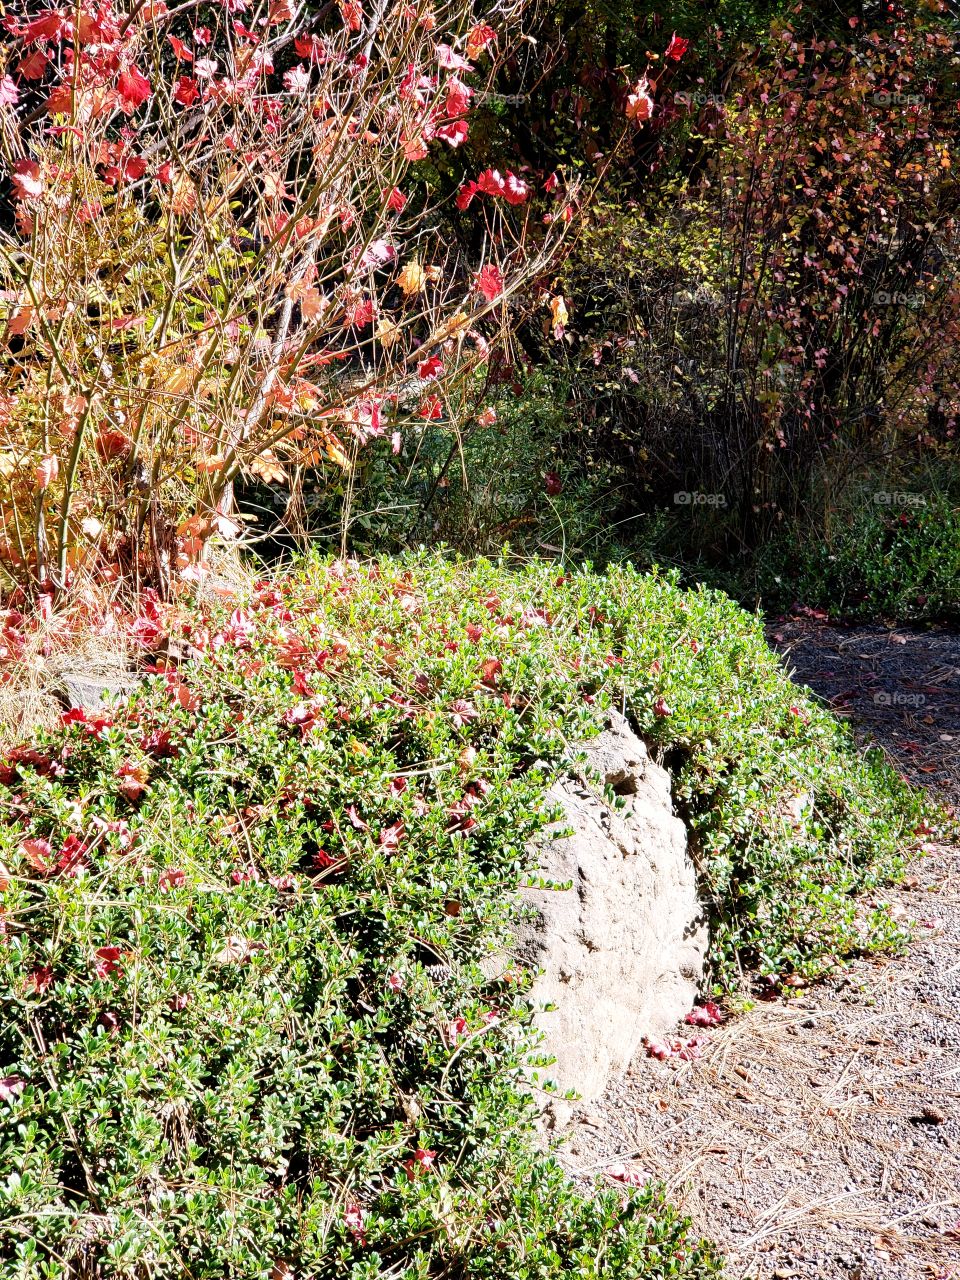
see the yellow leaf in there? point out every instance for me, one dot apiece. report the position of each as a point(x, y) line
point(411, 278)
point(179, 380)
point(387, 332)
point(267, 467)
point(334, 450)
point(558, 309)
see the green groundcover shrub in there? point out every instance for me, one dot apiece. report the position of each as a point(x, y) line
point(246, 1030)
point(895, 552)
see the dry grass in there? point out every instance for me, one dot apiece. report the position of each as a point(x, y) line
point(32, 692)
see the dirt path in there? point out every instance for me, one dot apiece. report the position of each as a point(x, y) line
point(820, 1137)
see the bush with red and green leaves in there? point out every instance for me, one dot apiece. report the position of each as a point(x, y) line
point(222, 255)
point(245, 916)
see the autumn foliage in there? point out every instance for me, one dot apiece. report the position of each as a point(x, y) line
point(221, 256)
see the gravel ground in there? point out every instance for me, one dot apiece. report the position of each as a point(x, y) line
point(819, 1136)
point(898, 688)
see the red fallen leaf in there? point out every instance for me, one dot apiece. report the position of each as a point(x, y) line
point(40, 979)
point(661, 707)
point(72, 855)
point(38, 853)
point(390, 837)
point(462, 711)
point(552, 484)
point(490, 670)
point(95, 726)
point(133, 780)
point(158, 745)
point(705, 1015)
point(108, 961)
point(629, 1177)
point(455, 1029)
point(173, 878)
point(356, 820)
point(182, 694)
point(353, 1220)
point(420, 1162)
point(10, 1086)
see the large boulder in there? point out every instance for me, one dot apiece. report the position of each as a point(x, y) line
point(622, 950)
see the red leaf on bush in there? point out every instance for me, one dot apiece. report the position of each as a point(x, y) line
point(180, 49)
point(661, 707)
point(187, 91)
point(639, 103)
point(466, 194)
point(133, 88)
point(450, 60)
point(431, 409)
point(454, 134)
point(27, 180)
point(489, 280)
point(552, 484)
point(677, 47)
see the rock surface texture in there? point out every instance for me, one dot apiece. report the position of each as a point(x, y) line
point(622, 950)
